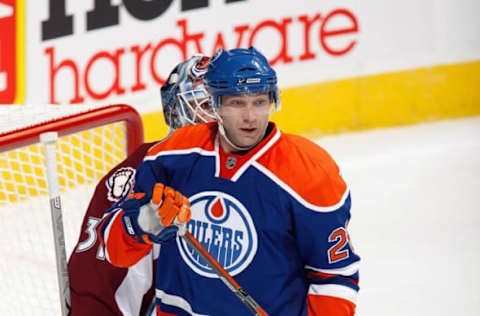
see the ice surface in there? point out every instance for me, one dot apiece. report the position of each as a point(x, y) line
point(415, 216)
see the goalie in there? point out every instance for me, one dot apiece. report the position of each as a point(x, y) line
point(97, 287)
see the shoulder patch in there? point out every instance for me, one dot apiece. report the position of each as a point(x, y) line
point(120, 183)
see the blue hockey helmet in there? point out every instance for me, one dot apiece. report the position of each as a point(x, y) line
point(185, 100)
point(240, 71)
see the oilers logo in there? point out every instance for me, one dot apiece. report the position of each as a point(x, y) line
point(224, 227)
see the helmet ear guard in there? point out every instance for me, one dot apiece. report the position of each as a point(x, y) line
point(241, 71)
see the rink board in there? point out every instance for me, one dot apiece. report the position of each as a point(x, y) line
point(380, 100)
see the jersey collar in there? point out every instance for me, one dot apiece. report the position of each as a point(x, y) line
point(231, 166)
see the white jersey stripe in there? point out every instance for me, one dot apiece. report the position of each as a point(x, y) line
point(176, 301)
point(217, 156)
point(197, 150)
point(258, 154)
point(334, 290)
point(296, 196)
point(136, 283)
point(345, 271)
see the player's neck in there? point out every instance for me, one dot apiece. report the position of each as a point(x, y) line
point(229, 148)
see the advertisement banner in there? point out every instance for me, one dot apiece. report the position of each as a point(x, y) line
point(341, 64)
point(9, 52)
point(105, 50)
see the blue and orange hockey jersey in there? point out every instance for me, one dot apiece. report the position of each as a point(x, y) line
point(275, 218)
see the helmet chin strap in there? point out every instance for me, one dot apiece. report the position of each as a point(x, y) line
point(221, 129)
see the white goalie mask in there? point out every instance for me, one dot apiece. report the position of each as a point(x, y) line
point(185, 99)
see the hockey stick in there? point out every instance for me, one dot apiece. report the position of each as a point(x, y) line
point(229, 281)
point(48, 139)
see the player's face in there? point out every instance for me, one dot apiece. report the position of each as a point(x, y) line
point(245, 118)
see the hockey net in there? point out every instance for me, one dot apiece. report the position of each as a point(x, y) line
point(91, 141)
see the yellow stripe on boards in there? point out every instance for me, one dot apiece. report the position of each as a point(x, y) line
point(382, 100)
point(154, 125)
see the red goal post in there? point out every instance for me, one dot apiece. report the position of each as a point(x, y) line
point(79, 122)
point(90, 142)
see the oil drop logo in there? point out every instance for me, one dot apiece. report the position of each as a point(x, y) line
point(225, 228)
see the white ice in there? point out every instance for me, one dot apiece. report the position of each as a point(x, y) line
point(415, 216)
point(415, 223)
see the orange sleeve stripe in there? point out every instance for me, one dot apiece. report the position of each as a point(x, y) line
point(320, 305)
point(188, 137)
point(319, 275)
point(322, 276)
point(123, 250)
point(318, 179)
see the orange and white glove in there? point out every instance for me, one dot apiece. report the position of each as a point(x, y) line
point(159, 218)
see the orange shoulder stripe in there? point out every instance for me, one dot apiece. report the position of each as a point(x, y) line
point(307, 169)
point(200, 135)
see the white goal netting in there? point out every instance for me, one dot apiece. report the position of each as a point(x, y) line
point(27, 268)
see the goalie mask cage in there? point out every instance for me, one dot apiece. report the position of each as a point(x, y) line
point(90, 142)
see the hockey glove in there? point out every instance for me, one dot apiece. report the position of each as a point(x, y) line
point(159, 218)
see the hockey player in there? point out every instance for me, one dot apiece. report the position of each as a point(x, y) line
point(271, 207)
point(97, 287)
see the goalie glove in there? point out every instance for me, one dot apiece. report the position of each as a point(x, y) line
point(157, 217)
